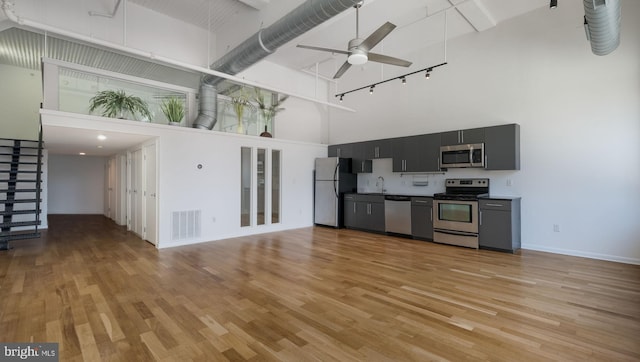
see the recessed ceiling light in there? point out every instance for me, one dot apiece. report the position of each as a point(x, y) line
point(99, 146)
point(82, 153)
point(102, 137)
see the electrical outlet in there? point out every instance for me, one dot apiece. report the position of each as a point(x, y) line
point(556, 228)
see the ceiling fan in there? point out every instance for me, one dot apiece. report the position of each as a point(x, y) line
point(358, 50)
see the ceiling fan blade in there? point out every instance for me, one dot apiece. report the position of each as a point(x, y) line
point(323, 49)
point(342, 69)
point(381, 58)
point(377, 36)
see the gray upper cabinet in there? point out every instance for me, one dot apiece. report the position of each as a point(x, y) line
point(473, 135)
point(416, 153)
point(502, 147)
point(421, 153)
point(360, 162)
point(378, 149)
point(343, 150)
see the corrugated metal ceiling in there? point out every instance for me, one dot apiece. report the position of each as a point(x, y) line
point(212, 15)
point(24, 49)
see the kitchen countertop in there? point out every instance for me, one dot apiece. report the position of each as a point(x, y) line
point(500, 197)
point(489, 197)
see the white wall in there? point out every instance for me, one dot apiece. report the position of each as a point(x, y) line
point(215, 188)
point(579, 116)
point(20, 97)
point(76, 184)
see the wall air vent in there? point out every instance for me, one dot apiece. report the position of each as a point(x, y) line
point(186, 225)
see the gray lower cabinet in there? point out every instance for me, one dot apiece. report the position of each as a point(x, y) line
point(499, 224)
point(422, 218)
point(364, 212)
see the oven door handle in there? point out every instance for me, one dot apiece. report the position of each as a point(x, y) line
point(458, 233)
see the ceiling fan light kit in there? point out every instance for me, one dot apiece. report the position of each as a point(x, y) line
point(358, 49)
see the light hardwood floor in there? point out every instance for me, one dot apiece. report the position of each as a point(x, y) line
point(310, 294)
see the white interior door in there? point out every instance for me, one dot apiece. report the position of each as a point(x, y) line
point(150, 194)
point(136, 193)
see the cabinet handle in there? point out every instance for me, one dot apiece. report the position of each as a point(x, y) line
point(361, 166)
point(354, 207)
point(495, 205)
point(462, 136)
point(421, 202)
point(431, 214)
point(376, 152)
point(338, 153)
point(486, 161)
point(480, 218)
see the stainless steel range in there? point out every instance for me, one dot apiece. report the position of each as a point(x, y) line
point(456, 212)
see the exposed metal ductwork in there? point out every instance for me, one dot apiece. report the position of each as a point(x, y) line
point(602, 25)
point(300, 20)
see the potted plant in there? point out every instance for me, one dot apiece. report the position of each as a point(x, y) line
point(173, 109)
point(239, 102)
point(115, 103)
point(268, 111)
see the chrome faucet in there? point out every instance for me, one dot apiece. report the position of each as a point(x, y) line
point(380, 183)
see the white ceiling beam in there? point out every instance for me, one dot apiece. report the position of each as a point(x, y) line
point(475, 14)
point(256, 4)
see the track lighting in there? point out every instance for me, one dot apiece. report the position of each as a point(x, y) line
point(553, 4)
point(403, 79)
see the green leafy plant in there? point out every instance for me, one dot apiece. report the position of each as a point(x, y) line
point(239, 102)
point(268, 111)
point(173, 109)
point(115, 103)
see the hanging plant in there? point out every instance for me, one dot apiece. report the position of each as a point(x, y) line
point(115, 103)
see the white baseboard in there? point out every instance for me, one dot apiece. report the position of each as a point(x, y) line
point(584, 254)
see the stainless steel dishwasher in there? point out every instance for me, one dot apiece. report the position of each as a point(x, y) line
point(397, 214)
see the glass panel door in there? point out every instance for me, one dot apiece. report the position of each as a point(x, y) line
point(275, 186)
point(261, 178)
point(245, 186)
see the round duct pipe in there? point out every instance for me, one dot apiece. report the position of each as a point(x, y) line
point(297, 22)
point(602, 23)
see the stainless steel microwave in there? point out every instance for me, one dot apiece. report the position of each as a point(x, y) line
point(459, 156)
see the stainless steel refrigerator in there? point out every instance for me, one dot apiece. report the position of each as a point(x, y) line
point(333, 178)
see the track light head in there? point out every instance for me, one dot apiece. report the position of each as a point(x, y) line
point(404, 80)
point(428, 74)
point(341, 97)
point(553, 4)
point(371, 89)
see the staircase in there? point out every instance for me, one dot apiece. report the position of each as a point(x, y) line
point(20, 187)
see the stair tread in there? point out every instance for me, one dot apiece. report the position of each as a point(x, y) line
point(18, 201)
point(20, 236)
point(19, 163)
point(19, 190)
point(20, 223)
point(17, 212)
point(19, 171)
